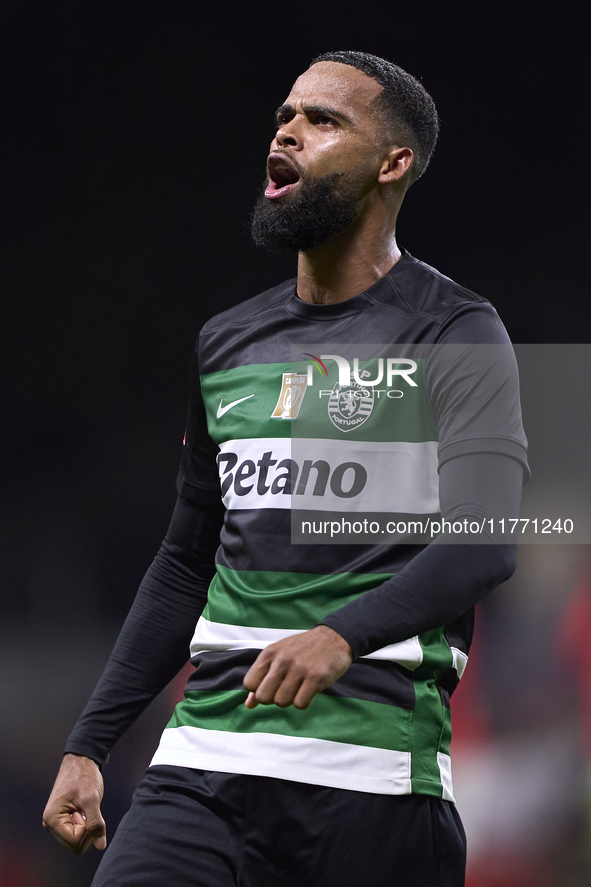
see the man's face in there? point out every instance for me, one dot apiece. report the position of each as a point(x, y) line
point(324, 158)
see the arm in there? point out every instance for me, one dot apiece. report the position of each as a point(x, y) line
point(445, 579)
point(437, 586)
point(152, 647)
point(474, 396)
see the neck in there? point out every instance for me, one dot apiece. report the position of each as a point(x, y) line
point(346, 265)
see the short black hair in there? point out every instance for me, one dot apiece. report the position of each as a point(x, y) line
point(408, 109)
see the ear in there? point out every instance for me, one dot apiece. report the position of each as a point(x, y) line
point(395, 164)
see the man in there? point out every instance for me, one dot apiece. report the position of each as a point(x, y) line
point(312, 745)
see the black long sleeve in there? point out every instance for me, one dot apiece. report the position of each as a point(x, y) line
point(153, 644)
point(440, 584)
point(445, 580)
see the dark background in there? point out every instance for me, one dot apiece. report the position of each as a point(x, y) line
point(134, 142)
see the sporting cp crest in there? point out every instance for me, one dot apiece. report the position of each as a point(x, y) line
point(291, 396)
point(349, 406)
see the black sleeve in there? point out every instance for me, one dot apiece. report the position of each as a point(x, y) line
point(154, 642)
point(473, 387)
point(198, 478)
point(445, 579)
point(474, 395)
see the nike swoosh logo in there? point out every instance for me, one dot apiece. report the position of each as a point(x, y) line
point(222, 410)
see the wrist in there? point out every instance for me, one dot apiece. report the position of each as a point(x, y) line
point(334, 637)
point(79, 759)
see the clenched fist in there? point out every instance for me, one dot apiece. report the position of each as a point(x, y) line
point(293, 670)
point(73, 813)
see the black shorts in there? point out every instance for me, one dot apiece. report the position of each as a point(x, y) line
point(195, 828)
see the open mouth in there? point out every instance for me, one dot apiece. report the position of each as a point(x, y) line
point(283, 176)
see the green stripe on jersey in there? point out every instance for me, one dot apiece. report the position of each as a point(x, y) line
point(247, 396)
point(355, 721)
point(265, 599)
point(429, 712)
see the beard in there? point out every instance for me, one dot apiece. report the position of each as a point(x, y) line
point(317, 212)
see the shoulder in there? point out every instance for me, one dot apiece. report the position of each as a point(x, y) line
point(458, 314)
point(245, 311)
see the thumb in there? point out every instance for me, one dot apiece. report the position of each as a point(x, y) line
point(96, 829)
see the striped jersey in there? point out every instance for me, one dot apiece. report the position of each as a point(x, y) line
point(307, 417)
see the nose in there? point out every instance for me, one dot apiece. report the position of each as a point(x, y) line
point(288, 136)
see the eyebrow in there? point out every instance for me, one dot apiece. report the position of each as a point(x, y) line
point(314, 109)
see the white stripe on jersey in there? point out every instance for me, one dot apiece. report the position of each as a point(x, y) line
point(298, 758)
point(214, 636)
point(392, 476)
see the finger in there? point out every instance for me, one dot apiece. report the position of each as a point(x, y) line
point(96, 829)
point(288, 689)
point(94, 833)
point(306, 694)
point(68, 834)
point(88, 843)
point(86, 820)
point(251, 701)
point(257, 672)
point(265, 692)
